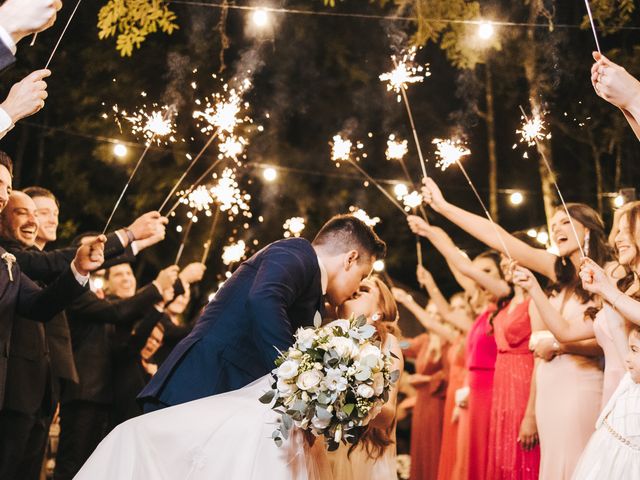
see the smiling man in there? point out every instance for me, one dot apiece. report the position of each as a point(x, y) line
point(18, 220)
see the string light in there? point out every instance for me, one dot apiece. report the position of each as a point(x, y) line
point(378, 266)
point(485, 30)
point(270, 174)
point(516, 198)
point(119, 150)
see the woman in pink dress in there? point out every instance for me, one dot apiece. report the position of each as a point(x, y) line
point(568, 381)
point(484, 274)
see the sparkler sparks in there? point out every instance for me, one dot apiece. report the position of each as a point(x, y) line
point(229, 196)
point(340, 149)
point(222, 112)
point(533, 130)
point(412, 200)
point(364, 216)
point(293, 227)
point(400, 190)
point(199, 199)
point(449, 151)
point(232, 146)
point(396, 149)
point(406, 71)
point(233, 253)
point(154, 125)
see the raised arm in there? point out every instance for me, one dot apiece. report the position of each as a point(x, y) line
point(562, 329)
point(458, 319)
point(447, 248)
point(422, 316)
point(494, 236)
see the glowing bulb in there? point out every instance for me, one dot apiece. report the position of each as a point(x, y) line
point(543, 238)
point(119, 150)
point(516, 198)
point(532, 232)
point(260, 17)
point(618, 201)
point(485, 30)
point(270, 174)
point(378, 265)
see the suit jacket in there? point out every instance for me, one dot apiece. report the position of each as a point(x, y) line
point(23, 298)
point(92, 322)
point(256, 311)
point(6, 57)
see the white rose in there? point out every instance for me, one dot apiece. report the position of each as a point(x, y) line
point(367, 350)
point(378, 383)
point(320, 424)
point(365, 391)
point(343, 324)
point(288, 370)
point(335, 381)
point(309, 380)
point(305, 337)
point(285, 388)
point(344, 347)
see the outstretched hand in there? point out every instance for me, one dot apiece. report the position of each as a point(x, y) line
point(27, 96)
point(613, 83)
point(594, 278)
point(419, 225)
point(90, 255)
point(400, 295)
point(424, 276)
point(523, 278)
point(431, 194)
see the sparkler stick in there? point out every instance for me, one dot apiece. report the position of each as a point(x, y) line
point(535, 139)
point(166, 115)
point(207, 246)
point(415, 133)
point(186, 172)
point(193, 185)
point(452, 151)
point(593, 25)
point(378, 186)
point(61, 35)
point(184, 239)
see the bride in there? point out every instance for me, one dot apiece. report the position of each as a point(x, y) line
point(228, 436)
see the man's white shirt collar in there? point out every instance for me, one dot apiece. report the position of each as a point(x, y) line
point(324, 277)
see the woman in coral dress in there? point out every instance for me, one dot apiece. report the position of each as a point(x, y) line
point(426, 423)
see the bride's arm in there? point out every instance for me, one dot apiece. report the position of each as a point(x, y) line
point(387, 415)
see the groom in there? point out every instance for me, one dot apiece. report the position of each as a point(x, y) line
point(258, 309)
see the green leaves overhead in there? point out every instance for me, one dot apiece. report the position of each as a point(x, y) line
point(132, 20)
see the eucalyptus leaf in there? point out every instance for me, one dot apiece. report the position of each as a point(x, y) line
point(268, 397)
point(367, 331)
point(394, 376)
point(348, 408)
point(323, 414)
point(361, 321)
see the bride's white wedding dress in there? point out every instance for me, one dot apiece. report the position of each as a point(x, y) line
point(225, 436)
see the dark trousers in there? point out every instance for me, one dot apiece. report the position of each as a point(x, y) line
point(23, 440)
point(83, 425)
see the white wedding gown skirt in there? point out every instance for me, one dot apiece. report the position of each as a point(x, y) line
point(225, 436)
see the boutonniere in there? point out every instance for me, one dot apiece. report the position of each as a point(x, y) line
point(9, 261)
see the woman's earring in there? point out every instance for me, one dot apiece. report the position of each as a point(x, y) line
point(375, 317)
point(587, 237)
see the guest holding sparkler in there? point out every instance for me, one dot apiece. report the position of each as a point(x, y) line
point(618, 87)
point(569, 380)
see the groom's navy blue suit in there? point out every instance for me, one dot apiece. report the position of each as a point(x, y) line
point(234, 342)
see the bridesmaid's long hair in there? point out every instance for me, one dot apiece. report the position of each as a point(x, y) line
point(632, 212)
point(376, 440)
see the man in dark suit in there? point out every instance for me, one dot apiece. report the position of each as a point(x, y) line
point(258, 309)
point(41, 354)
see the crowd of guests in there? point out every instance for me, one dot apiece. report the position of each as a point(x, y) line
point(534, 370)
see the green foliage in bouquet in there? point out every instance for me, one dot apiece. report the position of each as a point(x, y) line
point(331, 382)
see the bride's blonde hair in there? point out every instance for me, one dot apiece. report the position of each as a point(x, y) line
point(376, 440)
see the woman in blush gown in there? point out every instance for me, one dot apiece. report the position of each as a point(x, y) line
point(226, 437)
point(568, 381)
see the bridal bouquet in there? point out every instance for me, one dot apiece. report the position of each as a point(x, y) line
point(331, 382)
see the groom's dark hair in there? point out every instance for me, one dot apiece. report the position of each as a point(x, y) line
point(346, 232)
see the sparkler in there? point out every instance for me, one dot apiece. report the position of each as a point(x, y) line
point(169, 111)
point(364, 216)
point(64, 30)
point(412, 200)
point(153, 125)
point(341, 152)
point(536, 139)
point(185, 236)
point(293, 227)
point(533, 130)
point(229, 196)
point(396, 149)
point(209, 242)
point(406, 71)
point(233, 253)
point(451, 151)
point(593, 25)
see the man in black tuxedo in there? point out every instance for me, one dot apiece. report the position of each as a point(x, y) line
point(41, 354)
